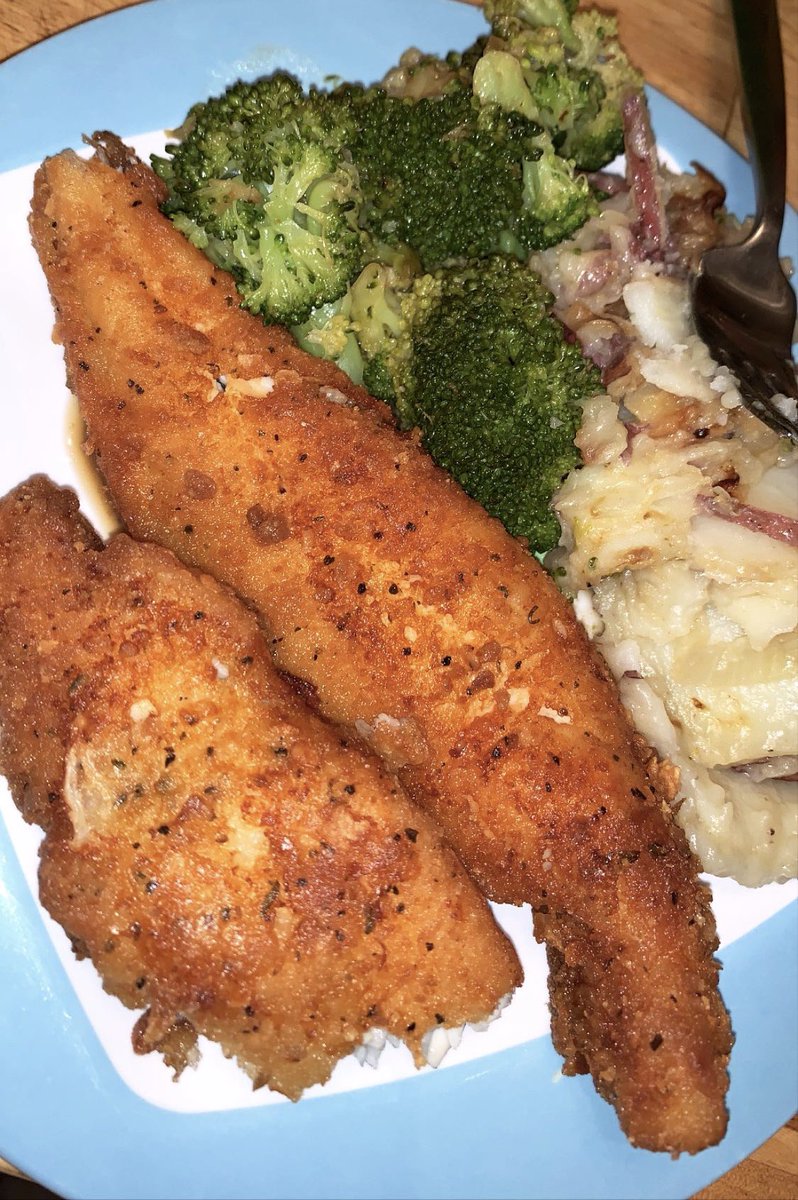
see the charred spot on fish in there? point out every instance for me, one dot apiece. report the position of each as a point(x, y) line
point(485, 679)
point(371, 914)
point(268, 528)
point(269, 899)
point(197, 485)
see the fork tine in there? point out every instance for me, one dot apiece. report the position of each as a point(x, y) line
point(758, 386)
point(760, 377)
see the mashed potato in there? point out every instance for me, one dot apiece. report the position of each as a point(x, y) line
point(679, 546)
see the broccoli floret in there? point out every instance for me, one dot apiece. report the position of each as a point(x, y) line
point(597, 136)
point(499, 79)
point(440, 174)
point(418, 75)
point(549, 93)
point(556, 201)
point(355, 330)
point(447, 175)
point(485, 372)
point(327, 333)
point(509, 17)
point(263, 182)
point(375, 311)
point(570, 77)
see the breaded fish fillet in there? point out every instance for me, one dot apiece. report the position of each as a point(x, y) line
point(405, 615)
point(228, 862)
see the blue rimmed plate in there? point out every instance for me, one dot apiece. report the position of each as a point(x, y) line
point(78, 1110)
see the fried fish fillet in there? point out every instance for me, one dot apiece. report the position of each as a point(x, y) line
point(408, 617)
point(228, 862)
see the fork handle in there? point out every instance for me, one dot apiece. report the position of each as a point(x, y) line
point(756, 25)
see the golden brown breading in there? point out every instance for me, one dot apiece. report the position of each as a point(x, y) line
point(229, 862)
point(407, 616)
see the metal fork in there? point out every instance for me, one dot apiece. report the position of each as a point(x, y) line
point(743, 306)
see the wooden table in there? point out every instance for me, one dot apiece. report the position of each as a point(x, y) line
point(683, 47)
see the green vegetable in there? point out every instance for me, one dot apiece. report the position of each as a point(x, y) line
point(445, 174)
point(263, 183)
point(570, 74)
point(555, 201)
point(387, 227)
point(508, 18)
point(479, 365)
point(283, 187)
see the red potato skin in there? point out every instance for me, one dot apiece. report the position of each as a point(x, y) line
point(230, 864)
point(405, 615)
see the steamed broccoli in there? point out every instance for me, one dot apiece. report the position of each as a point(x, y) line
point(263, 183)
point(597, 138)
point(284, 187)
point(478, 364)
point(327, 333)
point(355, 330)
point(554, 200)
point(508, 18)
point(562, 68)
point(375, 312)
point(418, 75)
point(450, 175)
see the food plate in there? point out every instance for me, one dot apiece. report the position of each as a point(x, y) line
point(77, 1109)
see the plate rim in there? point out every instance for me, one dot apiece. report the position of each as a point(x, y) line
point(49, 990)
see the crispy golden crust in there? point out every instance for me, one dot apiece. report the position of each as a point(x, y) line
point(410, 618)
point(227, 860)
